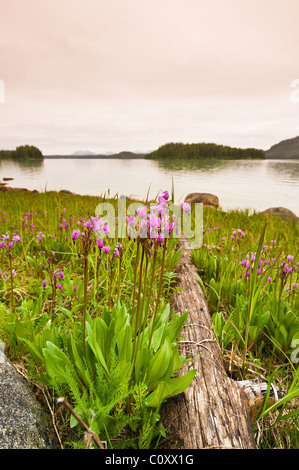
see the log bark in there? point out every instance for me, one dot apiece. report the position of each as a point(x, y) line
point(215, 411)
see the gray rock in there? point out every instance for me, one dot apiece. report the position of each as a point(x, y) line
point(23, 422)
point(208, 200)
point(65, 191)
point(281, 212)
point(20, 190)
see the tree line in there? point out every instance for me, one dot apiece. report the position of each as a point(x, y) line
point(204, 150)
point(24, 152)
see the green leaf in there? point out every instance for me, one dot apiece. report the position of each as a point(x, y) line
point(92, 341)
point(141, 364)
point(68, 285)
point(34, 350)
point(56, 362)
point(174, 327)
point(157, 337)
point(170, 388)
point(160, 363)
point(81, 366)
point(124, 371)
point(124, 343)
point(201, 283)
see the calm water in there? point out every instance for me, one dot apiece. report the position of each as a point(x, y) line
point(256, 185)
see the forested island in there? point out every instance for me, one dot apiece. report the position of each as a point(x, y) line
point(204, 150)
point(24, 152)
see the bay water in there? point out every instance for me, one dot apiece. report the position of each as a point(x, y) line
point(239, 184)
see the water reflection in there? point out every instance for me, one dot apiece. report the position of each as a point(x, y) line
point(183, 165)
point(207, 165)
point(27, 166)
point(288, 168)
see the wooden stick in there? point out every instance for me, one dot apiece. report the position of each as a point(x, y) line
point(214, 411)
point(94, 437)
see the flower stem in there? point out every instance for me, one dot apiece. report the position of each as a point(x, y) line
point(119, 281)
point(85, 298)
point(159, 290)
point(135, 278)
point(142, 318)
point(138, 304)
point(11, 286)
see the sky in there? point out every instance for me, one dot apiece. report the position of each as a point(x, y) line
point(109, 76)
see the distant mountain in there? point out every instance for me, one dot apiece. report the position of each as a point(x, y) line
point(83, 152)
point(285, 149)
point(108, 155)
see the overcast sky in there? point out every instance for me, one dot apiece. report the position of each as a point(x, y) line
point(112, 75)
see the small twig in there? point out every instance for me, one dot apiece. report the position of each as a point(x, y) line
point(53, 417)
point(200, 342)
point(93, 435)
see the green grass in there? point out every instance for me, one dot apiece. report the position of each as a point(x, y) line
point(111, 320)
point(249, 269)
point(90, 318)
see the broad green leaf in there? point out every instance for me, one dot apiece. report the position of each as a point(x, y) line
point(141, 364)
point(34, 350)
point(170, 388)
point(81, 366)
point(124, 371)
point(90, 338)
point(159, 364)
point(56, 363)
point(175, 325)
point(124, 343)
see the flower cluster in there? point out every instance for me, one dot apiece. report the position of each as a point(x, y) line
point(285, 268)
point(7, 242)
point(155, 222)
point(97, 226)
point(236, 233)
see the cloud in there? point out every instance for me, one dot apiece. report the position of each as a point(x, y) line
point(112, 75)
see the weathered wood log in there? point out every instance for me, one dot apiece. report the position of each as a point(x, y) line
point(257, 391)
point(215, 411)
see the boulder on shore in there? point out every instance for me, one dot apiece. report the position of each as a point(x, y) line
point(21, 190)
point(23, 422)
point(210, 201)
point(65, 191)
point(281, 212)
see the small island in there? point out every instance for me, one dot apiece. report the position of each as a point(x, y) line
point(204, 150)
point(23, 152)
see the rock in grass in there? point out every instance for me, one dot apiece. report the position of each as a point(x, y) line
point(65, 191)
point(208, 200)
point(23, 422)
point(281, 212)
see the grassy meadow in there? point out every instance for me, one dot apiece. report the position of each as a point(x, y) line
point(86, 315)
point(248, 267)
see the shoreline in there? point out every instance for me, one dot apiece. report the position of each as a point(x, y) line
point(281, 212)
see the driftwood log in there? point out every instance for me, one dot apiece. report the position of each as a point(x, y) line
point(215, 411)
